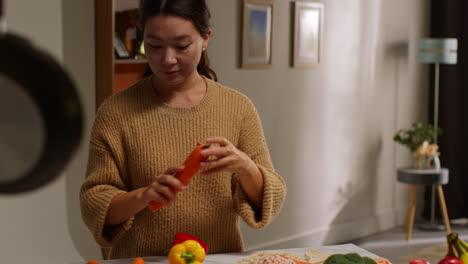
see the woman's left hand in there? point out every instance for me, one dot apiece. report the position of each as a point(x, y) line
point(227, 158)
point(230, 159)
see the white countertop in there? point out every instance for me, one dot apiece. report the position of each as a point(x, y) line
point(232, 258)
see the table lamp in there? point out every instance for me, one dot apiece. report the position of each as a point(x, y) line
point(437, 51)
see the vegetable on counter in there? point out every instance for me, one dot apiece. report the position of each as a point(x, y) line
point(350, 258)
point(450, 260)
point(92, 262)
point(419, 261)
point(187, 249)
point(457, 247)
point(191, 167)
point(138, 261)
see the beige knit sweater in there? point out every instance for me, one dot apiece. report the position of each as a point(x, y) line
point(136, 136)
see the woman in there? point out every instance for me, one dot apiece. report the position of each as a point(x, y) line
point(142, 133)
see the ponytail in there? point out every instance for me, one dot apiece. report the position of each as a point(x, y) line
point(204, 68)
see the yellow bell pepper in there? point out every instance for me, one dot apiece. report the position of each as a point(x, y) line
point(187, 252)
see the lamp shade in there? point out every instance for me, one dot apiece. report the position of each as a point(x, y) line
point(438, 50)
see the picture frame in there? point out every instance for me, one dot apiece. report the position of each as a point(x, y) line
point(257, 34)
point(307, 34)
point(121, 51)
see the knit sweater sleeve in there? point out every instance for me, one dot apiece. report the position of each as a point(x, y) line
point(103, 181)
point(252, 142)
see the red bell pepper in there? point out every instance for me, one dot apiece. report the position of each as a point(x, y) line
point(191, 167)
point(182, 237)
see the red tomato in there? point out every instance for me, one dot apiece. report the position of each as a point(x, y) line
point(419, 261)
point(450, 260)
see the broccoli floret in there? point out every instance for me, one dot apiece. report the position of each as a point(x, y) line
point(342, 259)
point(367, 260)
point(336, 259)
point(350, 258)
point(353, 258)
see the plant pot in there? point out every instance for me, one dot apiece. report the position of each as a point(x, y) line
point(426, 161)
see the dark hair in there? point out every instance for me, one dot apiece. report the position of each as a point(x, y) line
point(195, 11)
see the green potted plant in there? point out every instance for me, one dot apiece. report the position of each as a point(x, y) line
point(419, 139)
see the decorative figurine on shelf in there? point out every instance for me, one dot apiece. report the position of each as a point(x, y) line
point(419, 140)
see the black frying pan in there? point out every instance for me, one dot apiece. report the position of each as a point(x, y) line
point(54, 94)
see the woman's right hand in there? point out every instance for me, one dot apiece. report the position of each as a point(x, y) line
point(164, 187)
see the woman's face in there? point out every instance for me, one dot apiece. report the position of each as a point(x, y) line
point(173, 47)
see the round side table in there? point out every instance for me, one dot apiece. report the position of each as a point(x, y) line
point(415, 177)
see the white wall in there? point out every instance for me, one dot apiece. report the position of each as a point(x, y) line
point(329, 129)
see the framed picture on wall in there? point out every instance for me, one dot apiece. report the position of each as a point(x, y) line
point(257, 25)
point(308, 31)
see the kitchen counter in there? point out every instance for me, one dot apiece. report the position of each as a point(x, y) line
point(232, 258)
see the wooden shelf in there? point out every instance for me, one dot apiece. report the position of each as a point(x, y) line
point(130, 61)
point(127, 74)
point(112, 75)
